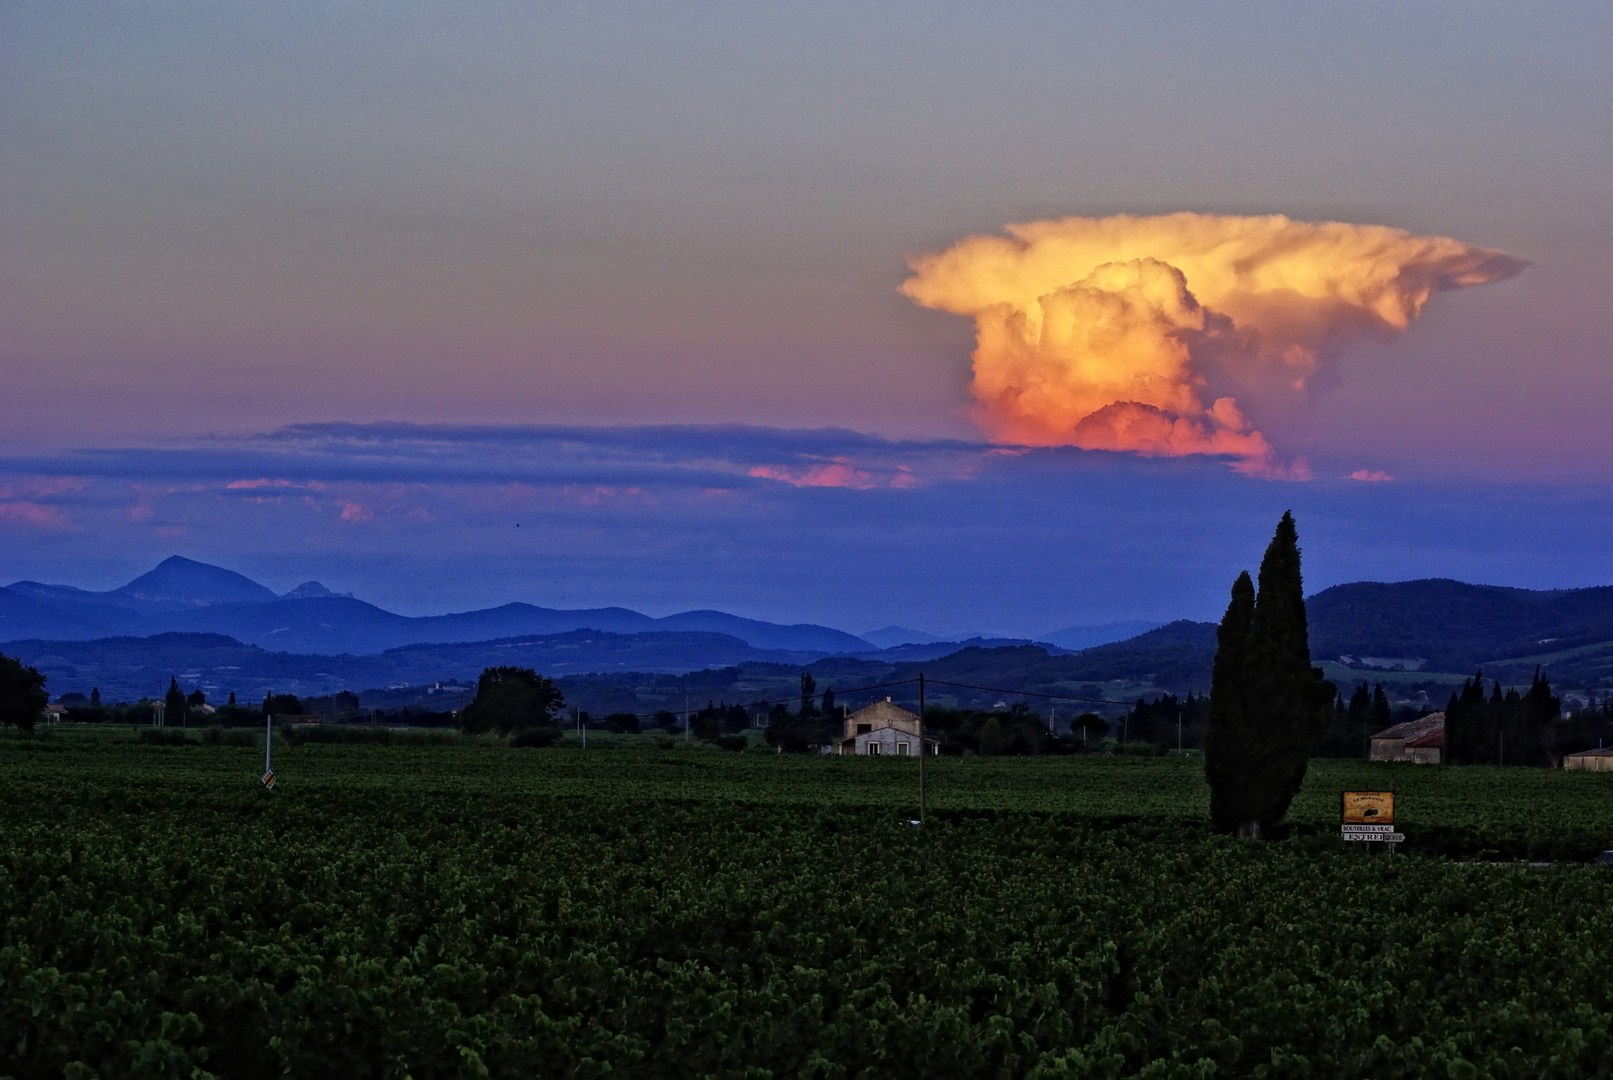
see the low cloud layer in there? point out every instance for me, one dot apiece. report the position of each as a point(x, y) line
point(1148, 334)
point(830, 526)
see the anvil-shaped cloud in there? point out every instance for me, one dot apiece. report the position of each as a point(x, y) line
point(1142, 334)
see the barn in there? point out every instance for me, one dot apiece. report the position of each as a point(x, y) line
point(1598, 760)
point(1420, 741)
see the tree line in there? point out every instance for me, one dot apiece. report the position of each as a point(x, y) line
point(1268, 709)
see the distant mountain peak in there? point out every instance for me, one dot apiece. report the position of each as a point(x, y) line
point(188, 583)
point(1091, 635)
point(889, 637)
point(313, 590)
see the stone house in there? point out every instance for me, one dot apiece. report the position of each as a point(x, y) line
point(1420, 741)
point(1598, 760)
point(883, 728)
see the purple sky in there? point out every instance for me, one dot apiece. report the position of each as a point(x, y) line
point(626, 276)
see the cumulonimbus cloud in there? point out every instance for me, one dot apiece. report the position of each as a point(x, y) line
point(1140, 334)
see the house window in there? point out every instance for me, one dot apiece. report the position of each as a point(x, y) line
point(903, 749)
point(863, 729)
point(873, 748)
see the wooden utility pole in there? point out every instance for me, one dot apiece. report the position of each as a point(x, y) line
point(267, 780)
point(921, 747)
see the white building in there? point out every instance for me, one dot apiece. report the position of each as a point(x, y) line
point(883, 728)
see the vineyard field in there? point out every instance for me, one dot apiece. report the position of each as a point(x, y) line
point(469, 910)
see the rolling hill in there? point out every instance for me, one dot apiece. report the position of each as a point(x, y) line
point(221, 630)
point(184, 596)
point(1451, 626)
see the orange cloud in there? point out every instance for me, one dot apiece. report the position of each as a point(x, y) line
point(33, 514)
point(23, 500)
point(1137, 333)
point(839, 473)
point(1370, 476)
point(264, 483)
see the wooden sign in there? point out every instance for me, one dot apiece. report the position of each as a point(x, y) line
point(1368, 808)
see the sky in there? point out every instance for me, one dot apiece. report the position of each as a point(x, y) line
point(958, 319)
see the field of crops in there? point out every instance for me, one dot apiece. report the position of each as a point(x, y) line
point(467, 910)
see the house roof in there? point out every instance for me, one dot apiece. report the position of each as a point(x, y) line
point(884, 713)
point(1417, 732)
point(1600, 751)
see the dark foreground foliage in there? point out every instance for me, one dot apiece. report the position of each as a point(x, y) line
point(477, 911)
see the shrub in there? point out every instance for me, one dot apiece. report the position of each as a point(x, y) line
point(535, 737)
point(214, 735)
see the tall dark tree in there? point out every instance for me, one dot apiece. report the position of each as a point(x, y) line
point(1382, 717)
point(282, 705)
point(1471, 736)
point(793, 732)
point(1354, 724)
point(1505, 728)
point(22, 694)
point(623, 723)
point(1232, 723)
point(1360, 706)
point(811, 725)
point(720, 718)
point(1267, 703)
point(993, 738)
point(1166, 720)
point(512, 699)
point(1539, 731)
point(175, 710)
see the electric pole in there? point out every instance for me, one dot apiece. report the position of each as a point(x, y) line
point(921, 747)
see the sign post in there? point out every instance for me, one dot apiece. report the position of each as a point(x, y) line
point(1369, 816)
point(267, 779)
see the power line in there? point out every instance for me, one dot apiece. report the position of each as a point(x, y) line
point(852, 691)
point(1029, 693)
point(785, 700)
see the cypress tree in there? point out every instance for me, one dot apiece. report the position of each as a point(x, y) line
point(174, 701)
point(1381, 716)
point(1467, 725)
point(1273, 702)
point(1361, 706)
point(1539, 711)
point(1230, 723)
